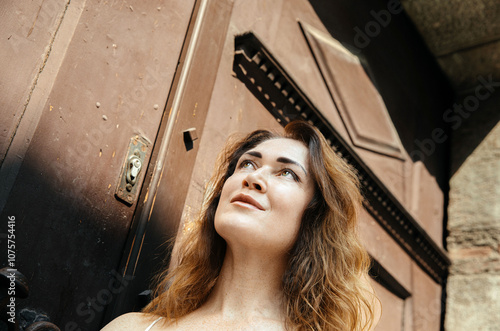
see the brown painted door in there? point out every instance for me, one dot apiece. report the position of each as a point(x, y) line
point(184, 76)
point(79, 80)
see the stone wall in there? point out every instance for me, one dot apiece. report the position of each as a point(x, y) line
point(473, 289)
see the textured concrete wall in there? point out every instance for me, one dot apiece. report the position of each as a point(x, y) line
point(464, 35)
point(473, 289)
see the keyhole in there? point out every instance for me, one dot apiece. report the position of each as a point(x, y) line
point(133, 170)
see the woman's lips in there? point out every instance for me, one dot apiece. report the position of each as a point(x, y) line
point(247, 200)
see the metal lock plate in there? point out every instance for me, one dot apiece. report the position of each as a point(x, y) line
point(133, 170)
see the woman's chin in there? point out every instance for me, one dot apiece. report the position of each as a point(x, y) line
point(240, 230)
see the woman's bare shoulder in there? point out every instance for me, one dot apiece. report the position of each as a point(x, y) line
point(130, 321)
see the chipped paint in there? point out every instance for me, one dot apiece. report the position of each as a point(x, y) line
point(194, 110)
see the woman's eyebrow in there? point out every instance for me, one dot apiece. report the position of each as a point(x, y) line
point(280, 159)
point(254, 153)
point(289, 161)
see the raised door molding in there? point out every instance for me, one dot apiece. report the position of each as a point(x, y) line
point(360, 105)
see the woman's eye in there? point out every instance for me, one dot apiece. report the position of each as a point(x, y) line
point(289, 173)
point(246, 164)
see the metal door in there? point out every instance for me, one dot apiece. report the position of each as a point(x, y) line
point(181, 77)
point(79, 80)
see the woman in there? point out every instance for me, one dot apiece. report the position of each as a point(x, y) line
point(275, 246)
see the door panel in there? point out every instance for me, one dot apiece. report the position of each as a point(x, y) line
point(393, 310)
point(385, 250)
point(111, 86)
point(427, 301)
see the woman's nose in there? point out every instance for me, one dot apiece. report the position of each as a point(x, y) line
point(255, 181)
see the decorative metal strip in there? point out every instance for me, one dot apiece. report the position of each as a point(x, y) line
point(273, 87)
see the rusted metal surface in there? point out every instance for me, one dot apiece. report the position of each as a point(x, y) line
point(112, 85)
point(42, 326)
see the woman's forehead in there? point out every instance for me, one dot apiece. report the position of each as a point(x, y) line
point(283, 147)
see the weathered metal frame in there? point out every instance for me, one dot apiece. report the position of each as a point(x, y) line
point(262, 74)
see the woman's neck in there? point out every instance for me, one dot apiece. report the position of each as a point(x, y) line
point(248, 287)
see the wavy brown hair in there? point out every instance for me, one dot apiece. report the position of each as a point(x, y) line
point(325, 284)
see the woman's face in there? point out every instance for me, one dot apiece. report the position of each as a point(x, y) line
point(262, 203)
